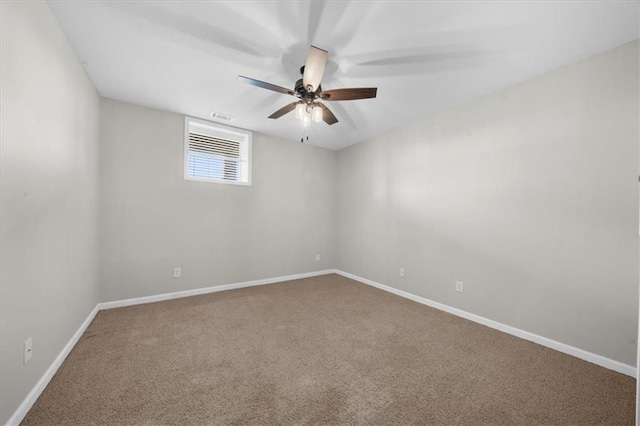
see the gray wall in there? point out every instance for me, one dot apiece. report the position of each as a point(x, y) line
point(529, 196)
point(153, 220)
point(48, 237)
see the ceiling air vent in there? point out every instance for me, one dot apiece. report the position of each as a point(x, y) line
point(221, 117)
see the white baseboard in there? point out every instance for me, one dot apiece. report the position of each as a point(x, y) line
point(544, 341)
point(32, 397)
point(199, 291)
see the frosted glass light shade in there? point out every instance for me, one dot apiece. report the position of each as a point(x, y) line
point(306, 120)
point(316, 114)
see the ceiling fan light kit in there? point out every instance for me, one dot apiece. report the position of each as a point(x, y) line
point(308, 113)
point(309, 92)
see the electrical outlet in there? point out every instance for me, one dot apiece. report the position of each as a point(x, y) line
point(459, 286)
point(28, 349)
point(317, 258)
point(402, 272)
point(177, 272)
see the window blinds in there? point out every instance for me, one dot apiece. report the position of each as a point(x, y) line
point(213, 158)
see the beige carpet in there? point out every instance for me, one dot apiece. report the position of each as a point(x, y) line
point(324, 350)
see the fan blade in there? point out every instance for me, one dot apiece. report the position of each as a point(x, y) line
point(285, 109)
point(203, 34)
point(327, 115)
point(314, 68)
point(264, 85)
point(423, 58)
point(349, 94)
point(420, 60)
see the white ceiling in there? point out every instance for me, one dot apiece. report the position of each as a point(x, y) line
point(424, 57)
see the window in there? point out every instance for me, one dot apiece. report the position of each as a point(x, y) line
point(216, 153)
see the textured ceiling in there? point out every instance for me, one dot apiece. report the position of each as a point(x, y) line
point(424, 57)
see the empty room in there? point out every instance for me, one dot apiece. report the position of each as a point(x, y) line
point(319, 212)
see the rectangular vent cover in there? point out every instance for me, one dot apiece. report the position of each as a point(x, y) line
point(221, 117)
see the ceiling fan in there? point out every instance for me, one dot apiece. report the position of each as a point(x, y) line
point(309, 91)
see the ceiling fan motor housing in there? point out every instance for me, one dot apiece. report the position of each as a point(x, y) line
point(304, 94)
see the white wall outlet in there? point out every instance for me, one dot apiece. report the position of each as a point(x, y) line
point(402, 272)
point(460, 286)
point(177, 272)
point(28, 349)
point(317, 258)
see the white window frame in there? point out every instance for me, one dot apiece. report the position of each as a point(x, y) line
point(223, 132)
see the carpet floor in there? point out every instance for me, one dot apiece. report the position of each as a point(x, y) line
point(325, 350)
